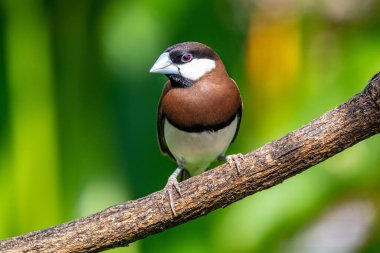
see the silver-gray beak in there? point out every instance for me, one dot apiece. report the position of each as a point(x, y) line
point(164, 65)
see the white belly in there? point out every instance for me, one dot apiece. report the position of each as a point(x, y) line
point(198, 150)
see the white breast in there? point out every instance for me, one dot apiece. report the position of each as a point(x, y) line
point(198, 150)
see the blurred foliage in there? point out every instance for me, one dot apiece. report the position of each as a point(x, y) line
point(77, 115)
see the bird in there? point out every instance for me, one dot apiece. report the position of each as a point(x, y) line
point(199, 112)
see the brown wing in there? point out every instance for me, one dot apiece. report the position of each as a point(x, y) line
point(160, 123)
point(239, 114)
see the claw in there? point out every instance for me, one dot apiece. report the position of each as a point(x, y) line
point(168, 189)
point(235, 159)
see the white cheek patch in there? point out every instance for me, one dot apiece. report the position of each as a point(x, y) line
point(196, 68)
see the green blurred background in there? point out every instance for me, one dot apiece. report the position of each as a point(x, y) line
point(78, 123)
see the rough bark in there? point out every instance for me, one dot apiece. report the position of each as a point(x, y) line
point(269, 165)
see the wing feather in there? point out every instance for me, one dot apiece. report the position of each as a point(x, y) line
point(160, 124)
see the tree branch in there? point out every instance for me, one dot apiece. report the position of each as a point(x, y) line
point(336, 130)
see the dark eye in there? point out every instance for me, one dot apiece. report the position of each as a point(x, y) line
point(186, 57)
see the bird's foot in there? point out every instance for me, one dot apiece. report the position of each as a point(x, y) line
point(235, 159)
point(168, 190)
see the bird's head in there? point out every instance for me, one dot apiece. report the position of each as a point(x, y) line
point(185, 63)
